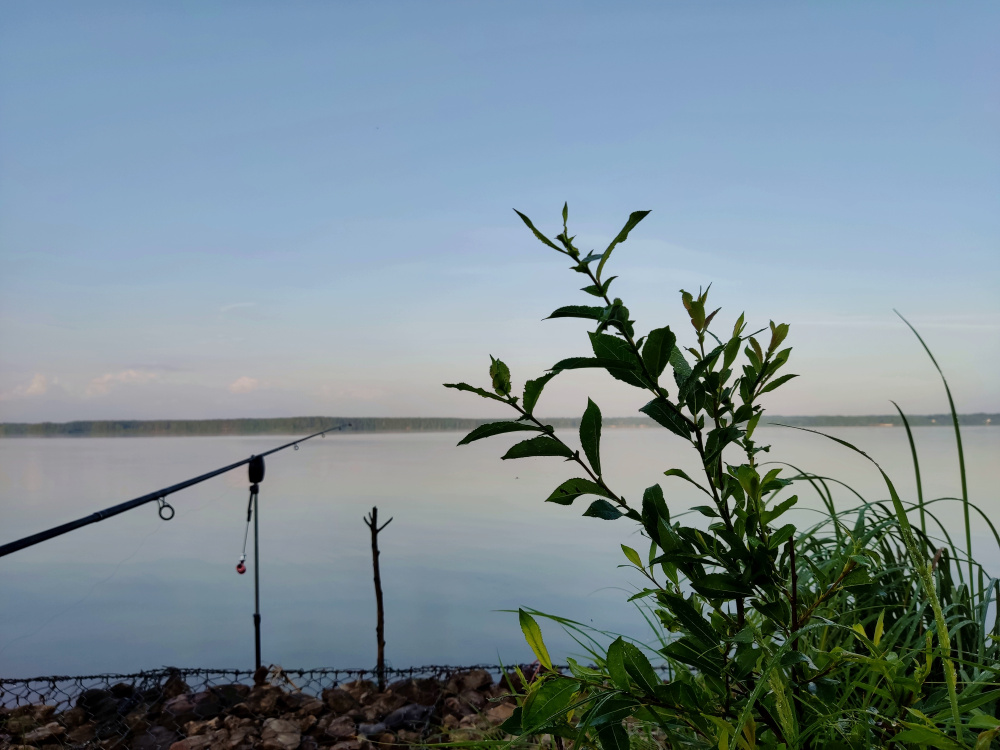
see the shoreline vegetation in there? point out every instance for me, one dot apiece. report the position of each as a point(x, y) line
point(303, 425)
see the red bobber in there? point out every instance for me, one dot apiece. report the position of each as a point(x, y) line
point(241, 568)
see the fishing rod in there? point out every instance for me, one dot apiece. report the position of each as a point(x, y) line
point(166, 511)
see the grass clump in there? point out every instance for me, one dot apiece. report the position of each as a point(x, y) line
point(859, 631)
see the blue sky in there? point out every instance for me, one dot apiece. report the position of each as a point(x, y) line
point(268, 209)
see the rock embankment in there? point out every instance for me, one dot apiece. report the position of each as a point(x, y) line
point(352, 716)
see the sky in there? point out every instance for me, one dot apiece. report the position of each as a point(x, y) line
point(242, 209)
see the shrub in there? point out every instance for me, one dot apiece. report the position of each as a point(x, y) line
point(852, 633)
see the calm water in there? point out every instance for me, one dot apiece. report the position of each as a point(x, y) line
point(471, 536)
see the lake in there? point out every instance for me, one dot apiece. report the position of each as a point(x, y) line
point(471, 536)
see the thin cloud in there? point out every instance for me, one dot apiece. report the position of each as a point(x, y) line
point(244, 385)
point(103, 384)
point(236, 306)
point(38, 386)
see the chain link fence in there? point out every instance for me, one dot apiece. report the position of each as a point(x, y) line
point(272, 709)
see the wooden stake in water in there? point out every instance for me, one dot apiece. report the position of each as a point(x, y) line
point(371, 521)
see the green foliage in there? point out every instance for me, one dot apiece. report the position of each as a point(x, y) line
point(851, 633)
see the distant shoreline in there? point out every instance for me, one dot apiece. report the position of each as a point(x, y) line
point(305, 425)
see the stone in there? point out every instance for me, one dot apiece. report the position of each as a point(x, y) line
point(406, 737)
point(311, 706)
point(340, 728)
point(99, 705)
point(47, 733)
point(174, 686)
point(309, 743)
point(382, 705)
point(499, 713)
point(280, 734)
point(82, 734)
point(43, 714)
point(265, 700)
point(450, 721)
point(360, 689)
point(194, 728)
point(473, 679)
point(339, 700)
point(242, 710)
point(230, 695)
point(232, 722)
point(73, 718)
point(193, 743)
point(20, 724)
point(473, 699)
point(417, 690)
point(413, 716)
point(383, 739)
point(371, 729)
point(358, 744)
point(155, 738)
point(453, 705)
point(178, 711)
point(306, 722)
point(242, 736)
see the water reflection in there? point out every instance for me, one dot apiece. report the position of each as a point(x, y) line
point(471, 536)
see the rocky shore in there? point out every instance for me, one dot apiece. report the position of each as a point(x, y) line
point(271, 715)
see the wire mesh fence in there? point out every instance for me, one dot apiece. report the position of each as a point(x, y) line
point(272, 709)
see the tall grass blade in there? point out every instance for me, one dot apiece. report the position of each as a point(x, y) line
point(923, 571)
point(958, 442)
point(916, 466)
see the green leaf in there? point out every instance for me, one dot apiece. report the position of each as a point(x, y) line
point(541, 237)
point(721, 586)
point(538, 446)
point(496, 428)
point(926, 736)
point(604, 510)
point(634, 218)
point(578, 311)
point(983, 721)
point(533, 389)
point(571, 489)
point(471, 389)
point(781, 536)
point(857, 577)
point(613, 737)
point(599, 290)
point(616, 664)
point(656, 352)
point(611, 347)
point(590, 435)
point(654, 507)
point(633, 556)
point(776, 383)
point(639, 668)
point(690, 619)
point(513, 723)
point(665, 413)
point(533, 635)
point(682, 370)
point(580, 363)
point(692, 651)
point(769, 515)
point(717, 441)
point(501, 377)
point(544, 705)
point(610, 709)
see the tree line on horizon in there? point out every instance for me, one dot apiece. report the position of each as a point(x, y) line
point(305, 425)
